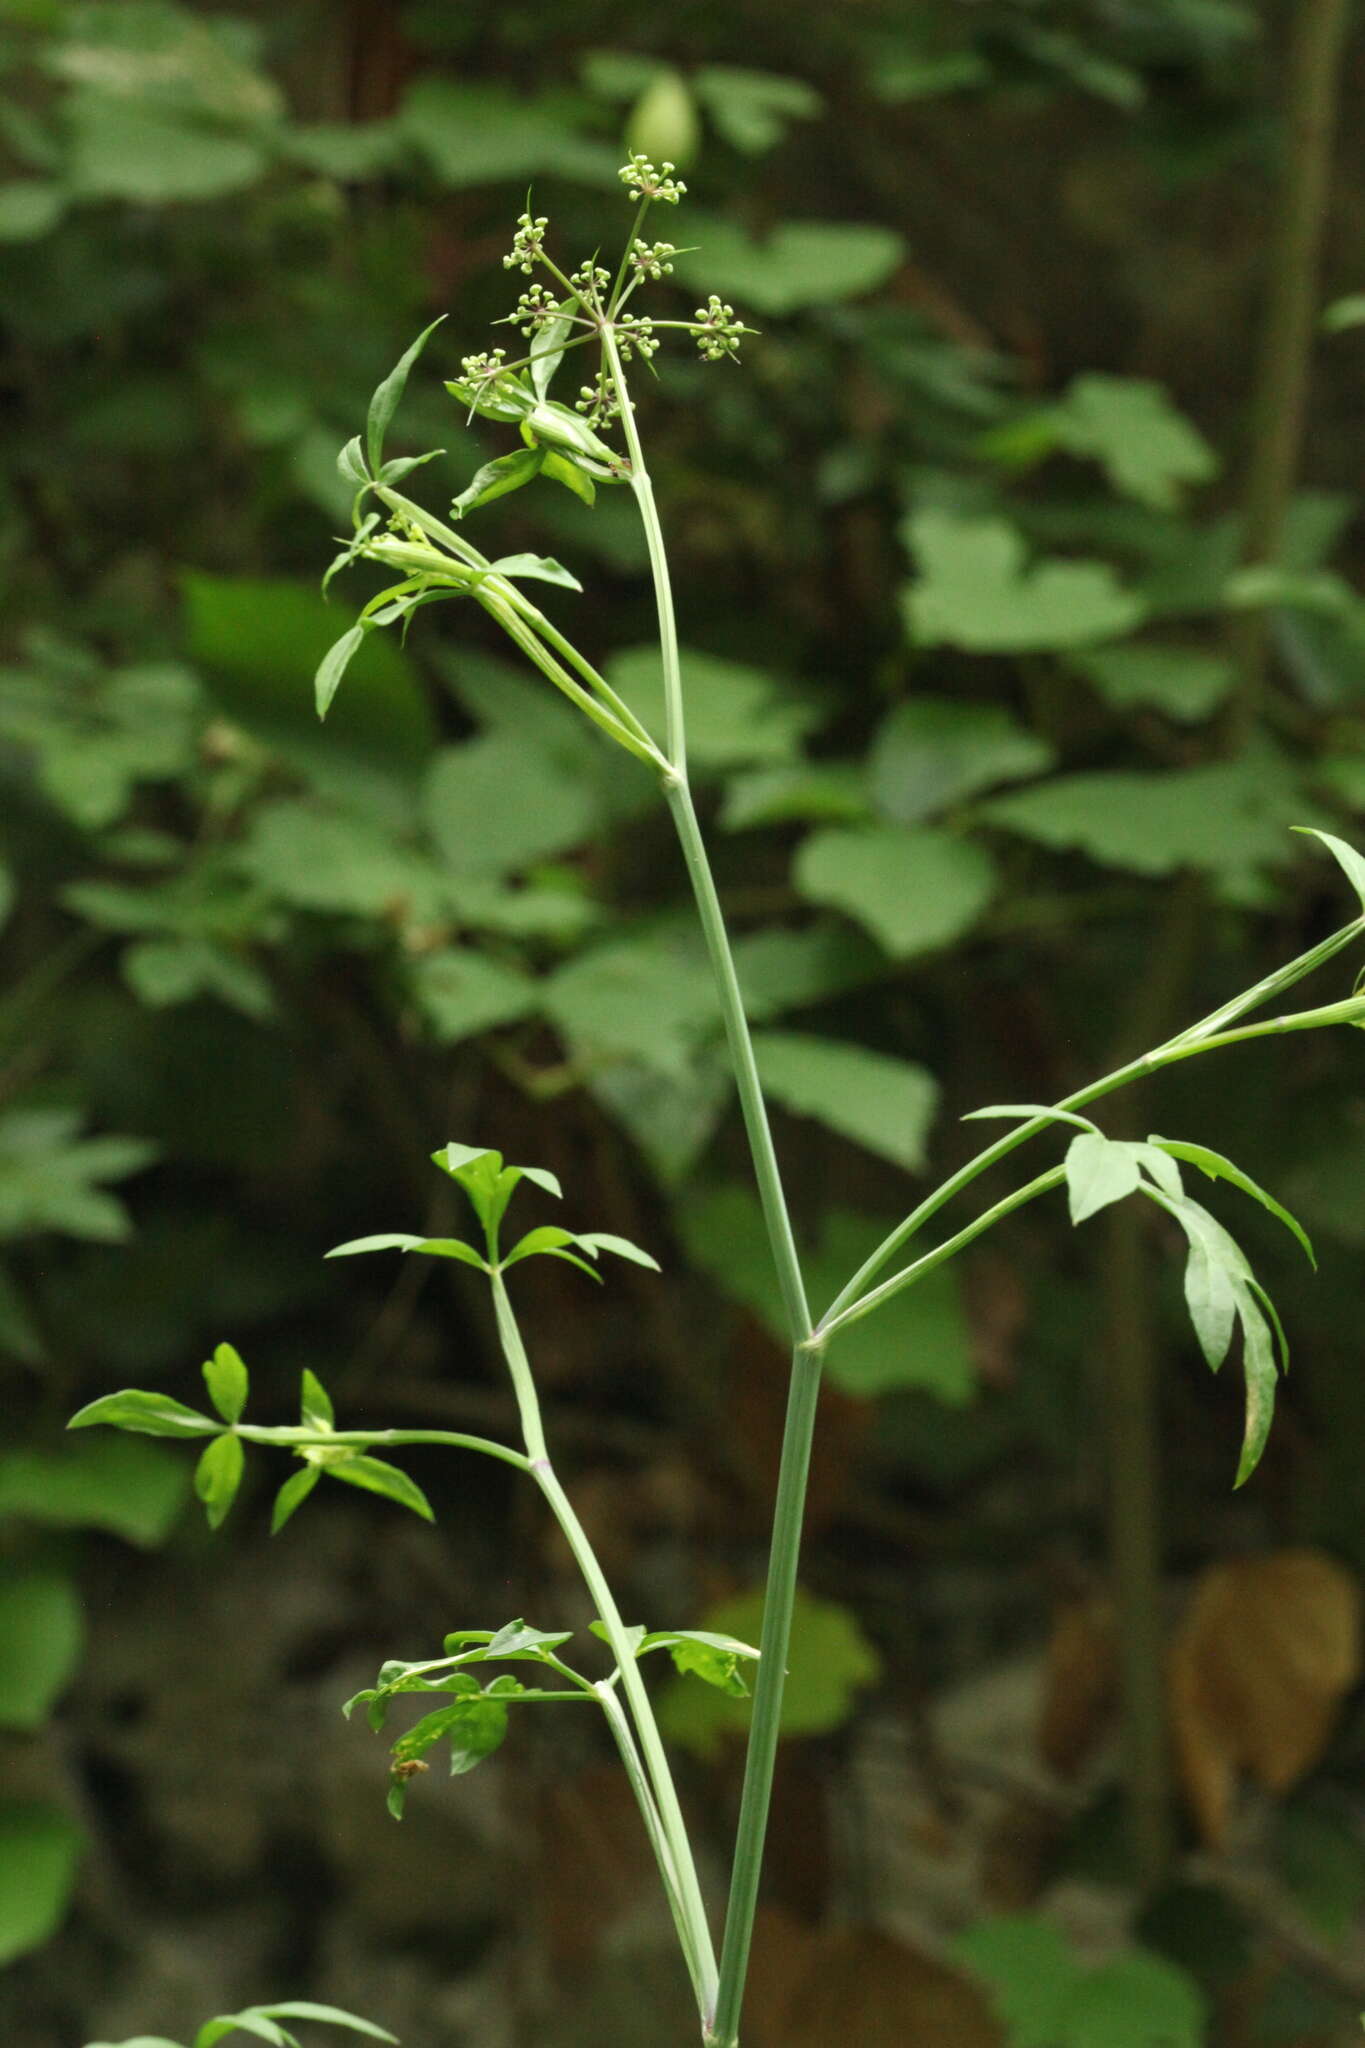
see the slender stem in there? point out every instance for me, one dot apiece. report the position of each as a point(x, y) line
point(941, 1253)
point(766, 1170)
point(1199, 1037)
point(697, 1945)
point(788, 1516)
point(365, 1439)
point(516, 629)
point(693, 1923)
point(639, 1785)
point(675, 731)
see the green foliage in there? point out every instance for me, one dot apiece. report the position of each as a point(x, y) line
point(1047, 1998)
point(974, 591)
point(831, 1661)
point(40, 1641)
point(39, 1851)
point(262, 2023)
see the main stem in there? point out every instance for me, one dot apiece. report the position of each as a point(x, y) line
point(807, 1356)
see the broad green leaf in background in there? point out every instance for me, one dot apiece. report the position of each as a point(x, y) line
point(40, 1642)
point(735, 714)
point(974, 590)
point(930, 752)
point(884, 1104)
point(815, 792)
point(39, 1850)
point(919, 1338)
point(1344, 313)
point(481, 134)
point(914, 889)
point(800, 264)
point(781, 969)
point(116, 1483)
point(152, 155)
point(496, 803)
point(158, 53)
point(830, 1661)
point(317, 858)
point(1228, 816)
point(1048, 1998)
point(753, 109)
point(462, 993)
point(30, 208)
point(1186, 684)
point(646, 998)
point(52, 1179)
point(670, 1116)
point(1147, 448)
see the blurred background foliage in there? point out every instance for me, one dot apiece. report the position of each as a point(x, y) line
point(1018, 637)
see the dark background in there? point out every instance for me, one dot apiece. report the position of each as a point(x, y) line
point(254, 973)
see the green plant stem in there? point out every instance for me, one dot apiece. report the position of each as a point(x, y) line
point(675, 730)
point(619, 1724)
point(292, 1438)
point(740, 1043)
point(694, 1929)
point(1280, 401)
point(1203, 1036)
point(760, 1761)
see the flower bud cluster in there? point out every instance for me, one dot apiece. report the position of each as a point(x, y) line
point(635, 337)
point(534, 309)
point(647, 182)
point(591, 280)
point(717, 331)
point(599, 401)
point(482, 369)
point(528, 243)
point(652, 259)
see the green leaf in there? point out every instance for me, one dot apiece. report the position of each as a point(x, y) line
point(1098, 1172)
point(715, 1659)
point(596, 1241)
point(736, 714)
point(1351, 863)
point(1025, 1112)
point(292, 1495)
point(975, 592)
point(30, 208)
point(225, 1376)
point(386, 1241)
point(475, 1727)
point(1344, 313)
point(50, 1178)
point(329, 2015)
point(138, 2041)
point(1148, 449)
point(384, 403)
point(40, 1848)
point(374, 1475)
point(450, 1248)
point(1218, 1168)
point(540, 569)
point(116, 1483)
point(505, 473)
point(152, 156)
point(753, 109)
point(800, 264)
point(146, 1414)
point(931, 752)
point(333, 667)
point(481, 133)
point(644, 997)
point(549, 1237)
point(884, 1104)
point(463, 994)
point(781, 970)
point(1047, 1998)
point(914, 889)
point(1225, 817)
point(315, 1403)
point(815, 792)
point(498, 803)
point(1184, 683)
point(250, 2021)
point(1259, 1374)
point(830, 1661)
point(1211, 1299)
point(41, 1632)
point(562, 469)
point(218, 1475)
point(919, 1338)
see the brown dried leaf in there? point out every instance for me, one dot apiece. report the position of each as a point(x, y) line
point(1080, 1684)
point(1267, 1648)
point(859, 1987)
